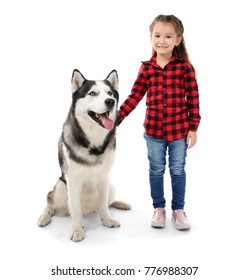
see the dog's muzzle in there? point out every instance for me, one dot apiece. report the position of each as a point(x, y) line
point(103, 118)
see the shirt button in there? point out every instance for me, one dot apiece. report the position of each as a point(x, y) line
point(165, 105)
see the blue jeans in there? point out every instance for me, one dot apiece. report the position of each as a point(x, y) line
point(177, 151)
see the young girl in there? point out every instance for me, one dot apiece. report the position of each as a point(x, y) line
point(172, 114)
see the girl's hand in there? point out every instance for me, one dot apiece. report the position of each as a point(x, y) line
point(191, 139)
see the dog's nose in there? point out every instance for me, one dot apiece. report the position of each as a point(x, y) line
point(110, 103)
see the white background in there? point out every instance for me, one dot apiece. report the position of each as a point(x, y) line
point(41, 43)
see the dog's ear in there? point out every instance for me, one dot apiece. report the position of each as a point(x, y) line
point(113, 79)
point(77, 80)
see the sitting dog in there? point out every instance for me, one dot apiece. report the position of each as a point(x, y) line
point(86, 153)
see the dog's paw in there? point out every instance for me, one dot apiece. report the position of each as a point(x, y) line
point(77, 235)
point(111, 223)
point(44, 220)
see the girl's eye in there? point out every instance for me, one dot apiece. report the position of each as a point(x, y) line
point(92, 93)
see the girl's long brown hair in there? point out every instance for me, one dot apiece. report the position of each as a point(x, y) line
point(180, 50)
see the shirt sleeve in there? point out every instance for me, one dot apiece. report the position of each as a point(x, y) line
point(192, 97)
point(137, 93)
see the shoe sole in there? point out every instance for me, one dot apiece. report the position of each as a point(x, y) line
point(158, 226)
point(181, 228)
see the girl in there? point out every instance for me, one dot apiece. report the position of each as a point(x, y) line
point(172, 114)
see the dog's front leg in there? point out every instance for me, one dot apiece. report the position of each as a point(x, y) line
point(74, 195)
point(103, 192)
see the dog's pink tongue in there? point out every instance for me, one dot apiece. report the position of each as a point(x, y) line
point(107, 122)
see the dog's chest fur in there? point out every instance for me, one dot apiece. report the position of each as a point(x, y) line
point(76, 145)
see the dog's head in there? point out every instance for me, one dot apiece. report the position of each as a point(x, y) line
point(95, 100)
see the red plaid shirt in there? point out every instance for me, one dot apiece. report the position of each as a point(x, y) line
point(171, 99)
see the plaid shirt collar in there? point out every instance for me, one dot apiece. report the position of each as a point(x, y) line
point(153, 60)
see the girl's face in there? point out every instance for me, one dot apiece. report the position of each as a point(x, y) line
point(164, 38)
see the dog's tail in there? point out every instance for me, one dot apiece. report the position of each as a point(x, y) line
point(120, 205)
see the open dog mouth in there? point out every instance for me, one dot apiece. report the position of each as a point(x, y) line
point(102, 119)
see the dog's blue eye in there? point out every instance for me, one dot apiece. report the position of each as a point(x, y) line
point(92, 93)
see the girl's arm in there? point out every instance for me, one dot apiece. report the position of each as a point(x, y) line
point(138, 91)
point(192, 96)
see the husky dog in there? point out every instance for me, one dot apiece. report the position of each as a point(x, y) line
point(86, 153)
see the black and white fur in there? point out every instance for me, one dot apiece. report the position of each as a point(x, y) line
point(86, 153)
